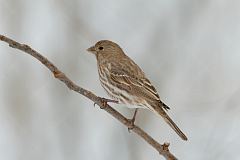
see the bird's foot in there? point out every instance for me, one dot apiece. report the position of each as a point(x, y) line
point(131, 126)
point(132, 121)
point(165, 146)
point(104, 102)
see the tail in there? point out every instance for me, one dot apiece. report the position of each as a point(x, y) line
point(174, 127)
point(170, 122)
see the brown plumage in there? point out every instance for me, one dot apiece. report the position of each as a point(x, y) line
point(125, 82)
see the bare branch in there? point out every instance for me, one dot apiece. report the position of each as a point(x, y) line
point(162, 149)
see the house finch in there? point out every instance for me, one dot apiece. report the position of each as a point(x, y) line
point(126, 83)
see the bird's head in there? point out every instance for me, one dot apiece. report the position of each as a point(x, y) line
point(105, 48)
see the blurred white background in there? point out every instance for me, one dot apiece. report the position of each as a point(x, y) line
point(189, 49)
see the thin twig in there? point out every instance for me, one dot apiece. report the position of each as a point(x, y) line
point(162, 149)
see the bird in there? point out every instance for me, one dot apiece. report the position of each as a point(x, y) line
point(126, 83)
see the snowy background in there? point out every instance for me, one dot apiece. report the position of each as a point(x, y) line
point(189, 49)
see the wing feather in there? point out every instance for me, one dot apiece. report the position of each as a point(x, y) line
point(144, 84)
point(127, 80)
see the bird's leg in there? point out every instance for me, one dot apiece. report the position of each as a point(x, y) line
point(133, 120)
point(104, 101)
point(109, 100)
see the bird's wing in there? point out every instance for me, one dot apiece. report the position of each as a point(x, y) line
point(123, 77)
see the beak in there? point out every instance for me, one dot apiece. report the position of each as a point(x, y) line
point(91, 49)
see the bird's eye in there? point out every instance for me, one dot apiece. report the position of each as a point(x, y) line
point(100, 48)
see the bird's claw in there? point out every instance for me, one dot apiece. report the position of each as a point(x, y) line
point(104, 102)
point(165, 146)
point(131, 126)
point(108, 100)
point(132, 121)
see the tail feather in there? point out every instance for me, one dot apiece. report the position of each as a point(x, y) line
point(163, 114)
point(174, 127)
